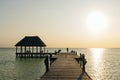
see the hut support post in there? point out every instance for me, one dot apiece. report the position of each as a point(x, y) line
point(25, 49)
point(21, 49)
point(44, 49)
point(29, 49)
point(36, 49)
point(32, 49)
point(16, 49)
point(40, 49)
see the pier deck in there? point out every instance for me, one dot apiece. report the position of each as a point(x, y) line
point(65, 68)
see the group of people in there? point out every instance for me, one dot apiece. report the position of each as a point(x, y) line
point(67, 50)
point(28, 51)
point(72, 51)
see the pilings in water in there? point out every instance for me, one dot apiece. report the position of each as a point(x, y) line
point(32, 55)
point(47, 56)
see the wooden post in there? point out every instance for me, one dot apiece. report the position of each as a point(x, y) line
point(47, 63)
point(50, 58)
point(25, 49)
point(29, 50)
point(84, 62)
point(32, 49)
point(16, 52)
point(80, 59)
point(21, 49)
point(16, 49)
point(44, 49)
point(40, 49)
point(36, 49)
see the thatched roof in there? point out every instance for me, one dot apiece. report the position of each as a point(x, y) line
point(31, 41)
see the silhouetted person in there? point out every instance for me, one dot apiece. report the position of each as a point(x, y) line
point(55, 51)
point(67, 49)
point(27, 51)
point(80, 55)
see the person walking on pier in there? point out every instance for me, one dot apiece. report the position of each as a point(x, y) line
point(67, 49)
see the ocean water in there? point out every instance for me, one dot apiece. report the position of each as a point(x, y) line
point(102, 64)
point(19, 69)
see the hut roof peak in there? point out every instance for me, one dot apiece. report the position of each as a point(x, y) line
point(31, 41)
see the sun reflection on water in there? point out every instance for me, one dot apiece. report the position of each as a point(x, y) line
point(97, 55)
point(97, 52)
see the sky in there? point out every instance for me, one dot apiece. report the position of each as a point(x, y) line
point(61, 23)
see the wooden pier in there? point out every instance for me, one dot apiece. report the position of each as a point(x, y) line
point(65, 68)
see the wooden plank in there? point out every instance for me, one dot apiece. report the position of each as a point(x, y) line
point(65, 68)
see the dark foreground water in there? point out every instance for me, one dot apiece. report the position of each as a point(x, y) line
point(102, 64)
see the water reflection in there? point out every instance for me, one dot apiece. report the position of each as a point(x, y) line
point(97, 57)
point(97, 53)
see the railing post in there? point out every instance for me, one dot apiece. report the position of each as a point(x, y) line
point(84, 62)
point(47, 63)
point(80, 59)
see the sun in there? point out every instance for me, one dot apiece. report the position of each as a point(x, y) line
point(96, 22)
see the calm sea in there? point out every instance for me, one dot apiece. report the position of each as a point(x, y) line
point(102, 64)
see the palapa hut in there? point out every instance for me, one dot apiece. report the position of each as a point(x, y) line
point(30, 44)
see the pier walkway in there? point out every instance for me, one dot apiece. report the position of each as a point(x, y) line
point(65, 68)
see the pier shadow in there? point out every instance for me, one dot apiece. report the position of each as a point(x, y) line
point(81, 76)
point(82, 73)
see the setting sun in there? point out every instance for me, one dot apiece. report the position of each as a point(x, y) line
point(96, 22)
